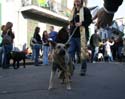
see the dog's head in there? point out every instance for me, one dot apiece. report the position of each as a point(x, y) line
point(60, 49)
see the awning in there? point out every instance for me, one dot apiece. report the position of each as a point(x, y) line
point(44, 15)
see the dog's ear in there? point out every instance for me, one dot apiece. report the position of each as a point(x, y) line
point(67, 45)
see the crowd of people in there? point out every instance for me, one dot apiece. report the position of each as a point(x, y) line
point(79, 21)
point(37, 42)
point(111, 49)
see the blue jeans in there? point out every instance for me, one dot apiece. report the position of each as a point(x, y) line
point(45, 54)
point(96, 50)
point(7, 50)
point(36, 49)
point(33, 53)
point(75, 47)
point(1, 54)
point(110, 57)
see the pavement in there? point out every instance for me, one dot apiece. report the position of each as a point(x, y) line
point(103, 81)
point(28, 62)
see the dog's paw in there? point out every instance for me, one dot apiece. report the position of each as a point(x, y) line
point(68, 88)
point(50, 88)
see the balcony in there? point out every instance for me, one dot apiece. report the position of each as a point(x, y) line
point(47, 12)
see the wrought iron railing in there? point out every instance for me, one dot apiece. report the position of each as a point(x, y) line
point(51, 5)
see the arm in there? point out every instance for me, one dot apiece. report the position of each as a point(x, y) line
point(111, 6)
point(88, 18)
point(111, 43)
point(105, 15)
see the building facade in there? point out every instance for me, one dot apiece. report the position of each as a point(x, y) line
point(27, 14)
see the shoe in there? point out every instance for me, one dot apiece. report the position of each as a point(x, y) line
point(82, 74)
point(37, 65)
point(94, 62)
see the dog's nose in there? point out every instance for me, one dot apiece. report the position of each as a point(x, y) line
point(62, 52)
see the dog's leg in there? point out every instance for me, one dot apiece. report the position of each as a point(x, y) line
point(17, 64)
point(51, 82)
point(24, 62)
point(14, 64)
point(61, 76)
point(68, 86)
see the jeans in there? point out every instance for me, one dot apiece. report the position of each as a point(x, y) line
point(110, 57)
point(36, 49)
point(7, 50)
point(33, 53)
point(45, 54)
point(1, 56)
point(75, 47)
point(95, 52)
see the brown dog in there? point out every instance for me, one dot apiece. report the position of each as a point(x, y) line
point(62, 62)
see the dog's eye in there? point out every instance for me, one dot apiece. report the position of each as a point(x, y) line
point(58, 47)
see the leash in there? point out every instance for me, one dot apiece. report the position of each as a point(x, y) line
point(59, 61)
point(71, 35)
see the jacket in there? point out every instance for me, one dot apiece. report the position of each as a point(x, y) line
point(87, 21)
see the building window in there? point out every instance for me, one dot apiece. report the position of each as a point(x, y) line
point(26, 2)
point(9, 0)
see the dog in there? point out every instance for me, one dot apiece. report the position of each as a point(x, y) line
point(100, 57)
point(62, 62)
point(17, 57)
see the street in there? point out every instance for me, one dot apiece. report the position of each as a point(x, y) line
point(103, 81)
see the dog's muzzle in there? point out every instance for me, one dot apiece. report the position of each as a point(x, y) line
point(62, 52)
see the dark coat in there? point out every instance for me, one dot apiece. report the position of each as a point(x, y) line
point(87, 21)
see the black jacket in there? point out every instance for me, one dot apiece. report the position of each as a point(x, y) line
point(87, 21)
point(112, 5)
point(38, 38)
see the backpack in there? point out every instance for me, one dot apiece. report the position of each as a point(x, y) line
point(32, 41)
point(7, 39)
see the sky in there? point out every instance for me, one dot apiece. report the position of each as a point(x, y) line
point(120, 13)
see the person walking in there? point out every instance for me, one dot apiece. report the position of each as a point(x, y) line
point(80, 20)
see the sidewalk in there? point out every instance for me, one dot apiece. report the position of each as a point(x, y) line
point(28, 62)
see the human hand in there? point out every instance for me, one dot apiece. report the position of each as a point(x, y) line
point(78, 24)
point(103, 18)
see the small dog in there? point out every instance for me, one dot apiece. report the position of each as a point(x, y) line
point(100, 57)
point(62, 62)
point(17, 57)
